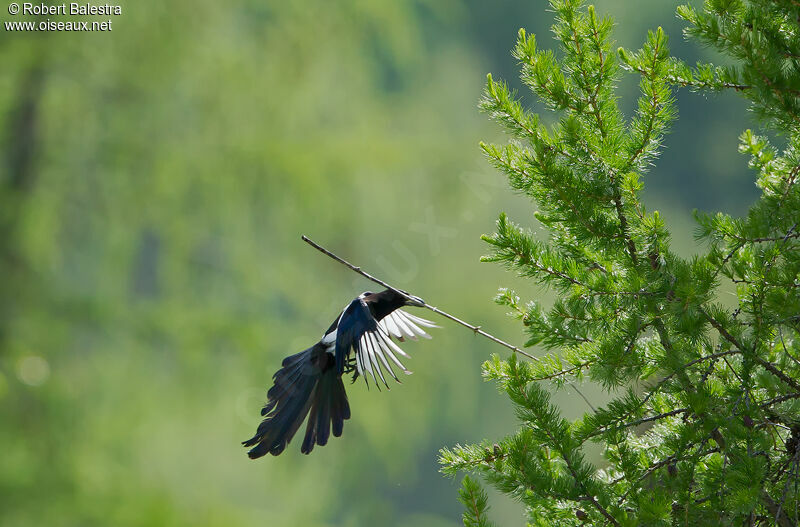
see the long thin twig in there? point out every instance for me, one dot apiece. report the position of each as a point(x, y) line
point(415, 300)
point(421, 303)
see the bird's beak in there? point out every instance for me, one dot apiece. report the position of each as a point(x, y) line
point(415, 301)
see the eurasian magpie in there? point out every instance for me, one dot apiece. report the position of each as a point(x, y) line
point(310, 382)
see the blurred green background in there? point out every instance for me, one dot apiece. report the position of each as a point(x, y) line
point(155, 183)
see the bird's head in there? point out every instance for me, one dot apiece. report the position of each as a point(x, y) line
point(412, 300)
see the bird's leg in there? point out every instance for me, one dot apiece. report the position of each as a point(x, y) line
point(350, 367)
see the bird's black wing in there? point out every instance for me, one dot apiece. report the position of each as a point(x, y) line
point(356, 320)
point(371, 339)
point(377, 351)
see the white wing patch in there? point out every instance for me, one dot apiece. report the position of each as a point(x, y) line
point(401, 324)
point(376, 349)
point(330, 338)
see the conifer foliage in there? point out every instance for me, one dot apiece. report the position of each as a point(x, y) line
point(703, 427)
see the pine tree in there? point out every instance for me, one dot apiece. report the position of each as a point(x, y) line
point(703, 425)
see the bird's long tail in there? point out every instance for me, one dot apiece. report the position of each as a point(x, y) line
point(307, 385)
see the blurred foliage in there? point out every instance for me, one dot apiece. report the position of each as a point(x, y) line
point(154, 182)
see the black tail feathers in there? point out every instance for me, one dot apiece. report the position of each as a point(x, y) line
point(307, 382)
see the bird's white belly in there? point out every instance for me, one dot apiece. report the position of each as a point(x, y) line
point(329, 341)
point(330, 337)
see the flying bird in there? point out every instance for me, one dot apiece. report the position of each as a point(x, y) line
point(310, 384)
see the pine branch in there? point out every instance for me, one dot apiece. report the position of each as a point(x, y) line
point(631, 309)
point(475, 500)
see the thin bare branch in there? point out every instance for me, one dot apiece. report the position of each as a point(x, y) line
point(476, 329)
